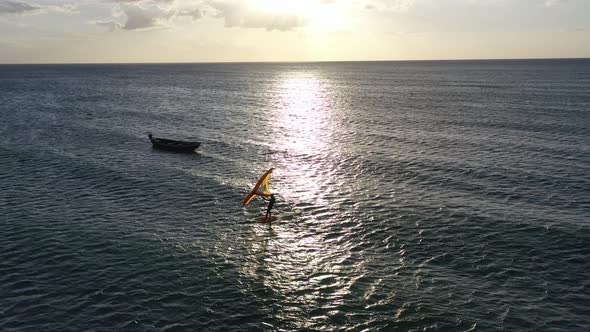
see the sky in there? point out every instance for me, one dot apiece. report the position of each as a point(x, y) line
point(129, 31)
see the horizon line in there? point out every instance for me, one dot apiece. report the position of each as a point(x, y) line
point(283, 61)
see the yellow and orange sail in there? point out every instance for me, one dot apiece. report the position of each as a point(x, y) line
point(260, 189)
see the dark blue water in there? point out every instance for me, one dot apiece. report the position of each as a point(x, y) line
point(412, 196)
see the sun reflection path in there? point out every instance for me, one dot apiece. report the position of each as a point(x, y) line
point(307, 260)
point(303, 123)
point(303, 129)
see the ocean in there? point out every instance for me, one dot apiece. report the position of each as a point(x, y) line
point(411, 196)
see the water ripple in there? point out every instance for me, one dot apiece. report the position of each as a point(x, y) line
point(411, 197)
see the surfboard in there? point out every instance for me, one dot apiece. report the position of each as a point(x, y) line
point(265, 219)
point(261, 188)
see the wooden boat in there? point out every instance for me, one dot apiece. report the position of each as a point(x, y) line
point(173, 145)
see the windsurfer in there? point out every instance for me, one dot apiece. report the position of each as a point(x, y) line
point(271, 202)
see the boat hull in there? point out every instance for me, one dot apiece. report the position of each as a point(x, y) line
point(173, 145)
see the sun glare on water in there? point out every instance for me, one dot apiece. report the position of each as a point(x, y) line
point(304, 118)
point(303, 131)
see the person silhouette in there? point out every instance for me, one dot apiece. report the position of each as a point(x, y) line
point(271, 202)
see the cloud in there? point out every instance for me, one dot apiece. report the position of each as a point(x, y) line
point(139, 16)
point(17, 7)
point(389, 5)
point(136, 1)
point(195, 13)
point(22, 8)
point(243, 14)
point(111, 25)
point(147, 14)
point(145, 18)
point(550, 3)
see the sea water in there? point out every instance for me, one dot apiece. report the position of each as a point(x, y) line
point(411, 196)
